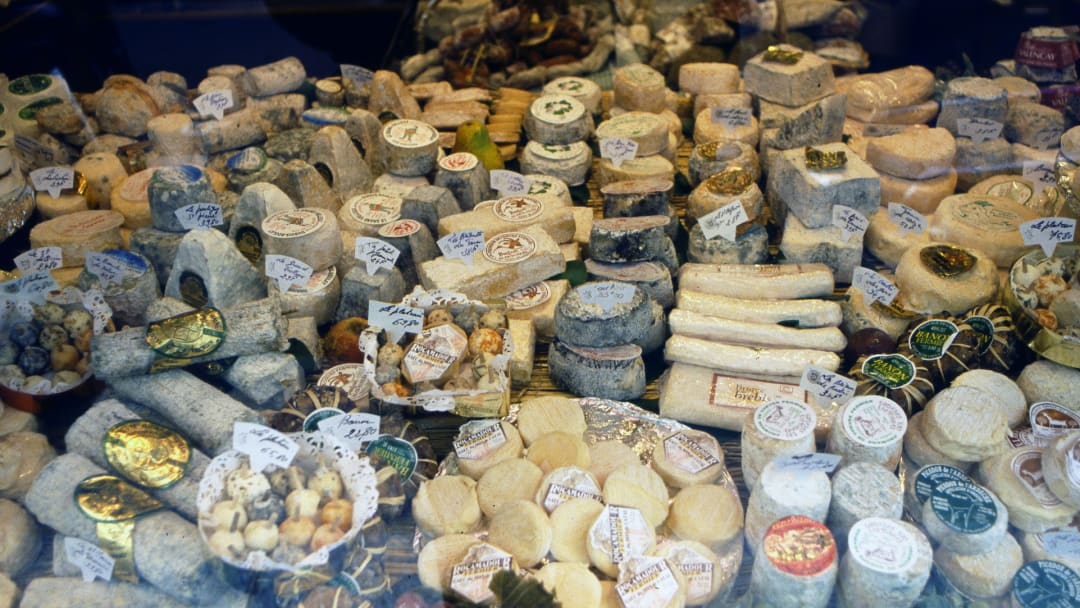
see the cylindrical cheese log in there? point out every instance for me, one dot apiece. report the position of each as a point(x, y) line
point(966, 424)
point(614, 372)
point(79, 233)
point(466, 177)
point(87, 434)
point(799, 563)
point(706, 131)
point(758, 281)
point(861, 490)
point(639, 87)
point(887, 564)
point(779, 493)
point(309, 235)
point(710, 77)
point(129, 198)
point(318, 298)
point(783, 363)
point(779, 428)
point(807, 313)
point(869, 429)
point(698, 325)
point(1016, 477)
point(167, 551)
point(920, 482)
point(584, 318)
point(569, 162)
point(1061, 467)
point(74, 592)
point(281, 76)
point(708, 159)
point(964, 517)
point(411, 147)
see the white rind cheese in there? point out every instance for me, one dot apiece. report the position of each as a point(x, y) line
point(688, 457)
point(780, 493)
point(919, 452)
point(985, 575)
point(887, 564)
point(558, 119)
point(1004, 390)
point(987, 223)
point(513, 213)
point(861, 490)
point(777, 428)
point(569, 162)
point(1061, 467)
point(869, 429)
point(704, 571)
point(539, 416)
point(922, 195)
point(318, 298)
point(926, 292)
point(798, 566)
point(309, 235)
point(807, 313)
point(584, 90)
point(709, 77)
point(570, 523)
point(919, 482)
point(573, 584)
point(564, 484)
point(701, 395)
point(964, 518)
point(699, 325)
point(887, 242)
point(758, 281)
point(639, 87)
point(633, 537)
point(637, 485)
point(649, 131)
point(708, 513)
point(965, 424)
point(1017, 479)
point(779, 363)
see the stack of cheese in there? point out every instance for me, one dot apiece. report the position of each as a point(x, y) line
point(542, 493)
point(733, 347)
point(979, 154)
point(888, 101)
point(641, 112)
point(557, 127)
point(718, 236)
point(1033, 130)
point(717, 87)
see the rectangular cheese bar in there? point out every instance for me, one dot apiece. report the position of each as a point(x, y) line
point(701, 395)
point(513, 214)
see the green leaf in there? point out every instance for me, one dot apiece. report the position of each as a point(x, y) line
point(512, 591)
point(575, 273)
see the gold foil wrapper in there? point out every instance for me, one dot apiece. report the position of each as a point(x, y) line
point(895, 310)
point(15, 210)
point(947, 261)
point(80, 185)
point(177, 340)
point(117, 539)
point(114, 504)
point(730, 181)
point(147, 453)
point(777, 54)
point(820, 160)
point(708, 150)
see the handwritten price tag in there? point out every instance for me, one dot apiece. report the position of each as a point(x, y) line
point(1047, 232)
point(907, 219)
point(376, 254)
point(808, 463)
point(830, 386)
point(263, 445)
point(32, 287)
point(89, 558)
point(354, 430)
point(94, 302)
point(849, 221)
point(618, 150)
point(606, 295)
point(979, 129)
point(723, 221)
point(396, 319)
point(52, 180)
point(112, 267)
point(1062, 543)
point(287, 271)
point(358, 75)
point(1040, 174)
point(42, 259)
point(214, 103)
point(874, 286)
point(1047, 138)
point(200, 215)
point(509, 183)
point(731, 117)
point(462, 245)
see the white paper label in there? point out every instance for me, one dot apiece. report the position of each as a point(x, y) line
point(263, 445)
point(654, 585)
point(1062, 543)
point(1046, 138)
point(358, 75)
point(200, 215)
point(480, 440)
point(978, 129)
point(52, 179)
point(109, 269)
point(214, 103)
point(849, 221)
point(287, 271)
point(687, 454)
point(462, 245)
point(32, 287)
point(354, 430)
point(617, 150)
point(732, 117)
point(723, 221)
point(89, 558)
point(908, 220)
point(874, 286)
point(42, 259)
point(606, 295)
point(808, 463)
point(627, 530)
point(558, 493)
point(509, 183)
point(829, 386)
point(396, 319)
point(1047, 232)
point(1040, 174)
point(376, 254)
point(93, 301)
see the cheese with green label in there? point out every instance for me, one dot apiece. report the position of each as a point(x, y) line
point(569, 162)
point(584, 90)
point(557, 119)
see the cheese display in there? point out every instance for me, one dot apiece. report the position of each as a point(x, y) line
point(688, 458)
point(948, 426)
point(706, 513)
point(940, 277)
point(982, 528)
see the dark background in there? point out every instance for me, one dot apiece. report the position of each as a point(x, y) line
point(88, 40)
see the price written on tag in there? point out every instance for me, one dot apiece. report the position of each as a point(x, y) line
point(1062, 543)
point(907, 219)
point(376, 254)
point(1047, 138)
point(42, 259)
point(53, 180)
point(109, 269)
point(32, 287)
point(1047, 232)
point(94, 302)
point(358, 75)
point(808, 463)
point(1040, 174)
point(396, 319)
point(723, 221)
point(979, 129)
point(89, 558)
point(462, 245)
point(849, 221)
point(214, 103)
point(606, 295)
point(618, 150)
point(509, 183)
point(263, 445)
point(354, 430)
point(830, 386)
point(874, 286)
point(287, 271)
point(732, 117)
point(200, 215)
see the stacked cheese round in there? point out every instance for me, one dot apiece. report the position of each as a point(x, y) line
point(915, 167)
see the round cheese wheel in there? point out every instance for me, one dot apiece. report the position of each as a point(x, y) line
point(50, 207)
point(706, 573)
point(79, 233)
point(447, 505)
point(861, 490)
point(888, 563)
point(724, 188)
point(638, 486)
point(964, 517)
point(988, 223)
point(584, 90)
point(706, 131)
point(985, 575)
point(777, 428)
point(799, 563)
point(649, 131)
point(709, 77)
point(651, 581)
point(930, 288)
point(566, 483)
point(922, 195)
point(558, 119)
point(780, 493)
point(509, 480)
point(868, 429)
point(1033, 581)
point(1004, 389)
point(521, 528)
point(437, 559)
point(1044, 380)
point(606, 456)
point(558, 449)
point(917, 154)
point(410, 147)
point(709, 514)
point(366, 214)
point(919, 482)
point(918, 450)
point(1035, 547)
point(581, 319)
point(1017, 478)
point(103, 171)
point(130, 199)
point(687, 458)
point(483, 444)
point(887, 241)
point(542, 415)
point(641, 167)
point(1061, 467)
point(639, 87)
point(617, 534)
point(965, 424)
point(309, 235)
point(574, 584)
point(570, 523)
point(569, 162)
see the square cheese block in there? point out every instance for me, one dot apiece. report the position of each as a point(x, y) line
point(801, 244)
point(810, 195)
point(537, 303)
point(513, 213)
point(508, 262)
point(796, 84)
point(523, 336)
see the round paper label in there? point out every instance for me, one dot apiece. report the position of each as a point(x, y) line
point(405, 133)
point(985, 328)
point(396, 452)
point(689, 455)
point(459, 161)
point(963, 506)
point(349, 377)
point(930, 476)
point(985, 215)
point(785, 420)
point(931, 339)
point(1048, 420)
point(400, 228)
point(295, 223)
point(874, 421)
point(1046, 584)
point(882, 545)
point(557, 109)
point(1027, 466)
point(800, 546)
point(528, 297)
point(558, 152)
point(518, 209)
point(317, 282)
point(894, 371)
point(375, 209)
point(509, 248)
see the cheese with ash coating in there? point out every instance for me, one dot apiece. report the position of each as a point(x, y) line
point(615, 372)
point(583, 322)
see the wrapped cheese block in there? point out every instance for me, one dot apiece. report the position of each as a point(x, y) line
point(877, 97)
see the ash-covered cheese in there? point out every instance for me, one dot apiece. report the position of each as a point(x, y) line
point(1016, 477)
point(569, 162)
point(972, 97)
point(1061, 467)
point(642, 167)
point(649, 131)
point(410, 147)
point(797, 564)
point(861, 490)
point(652, 278)
point(709, 159)
point(689, 457)
point(209, 270)
point(398, 185)
point(257, 201)
point(617, 535)
point(629, 239)
point(964, 517)
point(967, 220)
point(780, 493)
point(778, 428)
point(309, 235)
point(929, 284)
point(825, 245)
point(637, 197)
point(811, 195)
point(584, 90)
point(558, 119)
point(965, 424)
point(602, 314)
point(466, 177)
point(79, 233)
point(918, 450)
point(513, 213)
point(982, 576)
point(869, 429)
point(888, 563)
point(614, 372)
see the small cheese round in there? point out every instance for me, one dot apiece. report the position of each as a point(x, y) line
point(705, 572)
point(1017, 478)
point(1034, 581)
point(780, 493)
point(887, 242)
point(965, 424)
point(447, 505)
point(79, 233)
point(1061, 466)
point(606, 456)
point(983, 575)
point(542, 415)
point(1034, 546)
point(1044, 380)
point(887, 560)
point(919, 483)
point(922, 195)
point(989, 223)
point(964, 517)
point(584, 90)
point(476, 460)
point(437, 559)
point(649, 131)
point(869, 429)
point(633, 536)
point(687, 458)
point(1003, 388)
point(570, 523)
point(651, 581)
point(574, 584)
point(709, 514)
point(778, 428)
point(718, 191)
point(640, 487)
point(566, 483)
point(928, 292)
point(366, 214)
point(919, 451)
point(410, 147)
point(569, 162)
point(709, 77)
point(861, 490)
point(706, 131)
point(798, 563)
point(558, 449)
point(919, 153)
point(557, 119)
point(309, 235)
point(639, 87)
point(509, 480)
point(521, 528)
